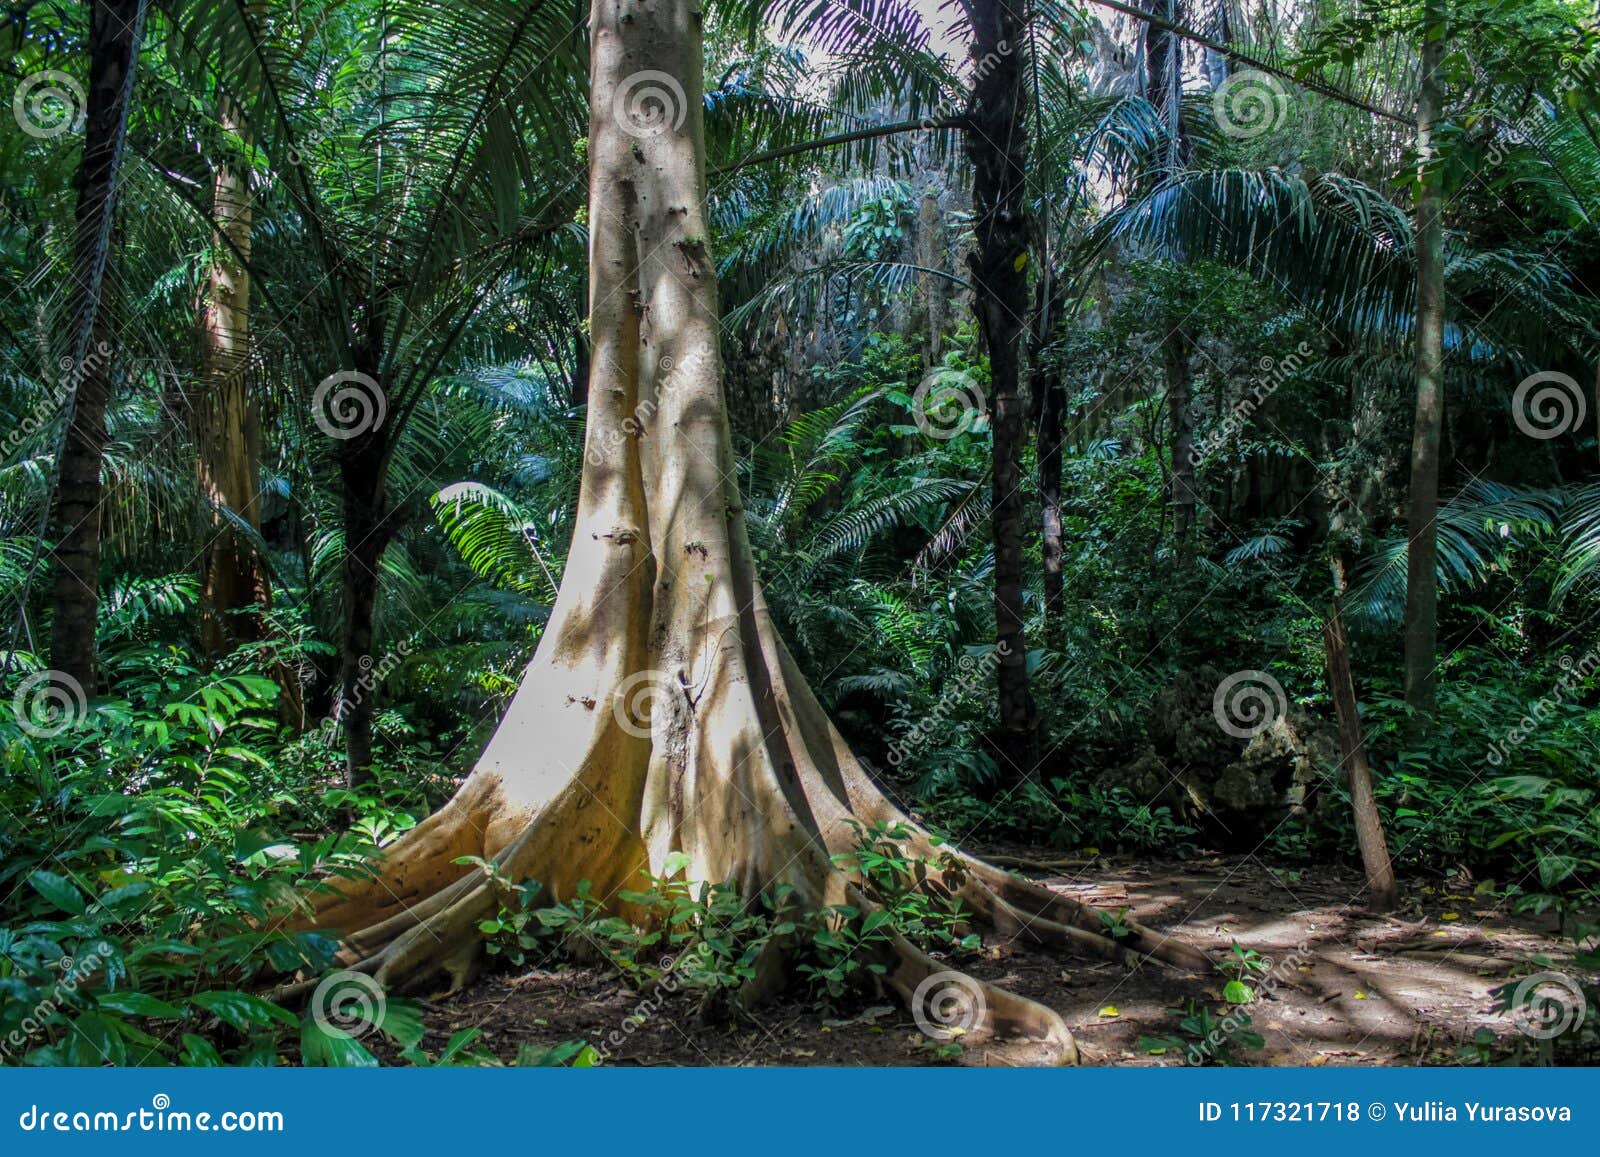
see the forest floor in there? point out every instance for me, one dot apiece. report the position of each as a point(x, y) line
point(1345, 987)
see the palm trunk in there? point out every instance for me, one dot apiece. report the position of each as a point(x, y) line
point(367, 530)
point(116, 28)
point(1422, 592)
point(996, 144)
point(234, 591)
point(935, 290)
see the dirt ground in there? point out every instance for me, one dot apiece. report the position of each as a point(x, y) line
point(1344, 988)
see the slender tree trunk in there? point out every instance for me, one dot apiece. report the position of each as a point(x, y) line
point(116, 28)
point(663, 726)
point(1422, 591)
point(935, 290)
point(1175, 356)
point(234, 591)
point(1045, 399)
point(997, 144)
point(367, 529)
point(1353, 754)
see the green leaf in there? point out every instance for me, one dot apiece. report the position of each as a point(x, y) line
point(241, 1009)
point(326, 1048)
point(1237, 992)
point(138, 1004)
point(59, 890)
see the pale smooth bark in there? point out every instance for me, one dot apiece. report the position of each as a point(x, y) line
point(662, 714)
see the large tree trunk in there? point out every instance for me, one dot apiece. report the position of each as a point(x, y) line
point(996, 143)
point(662, 714)
point(234, 591)
point(115, 30)
point(1422, 591)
